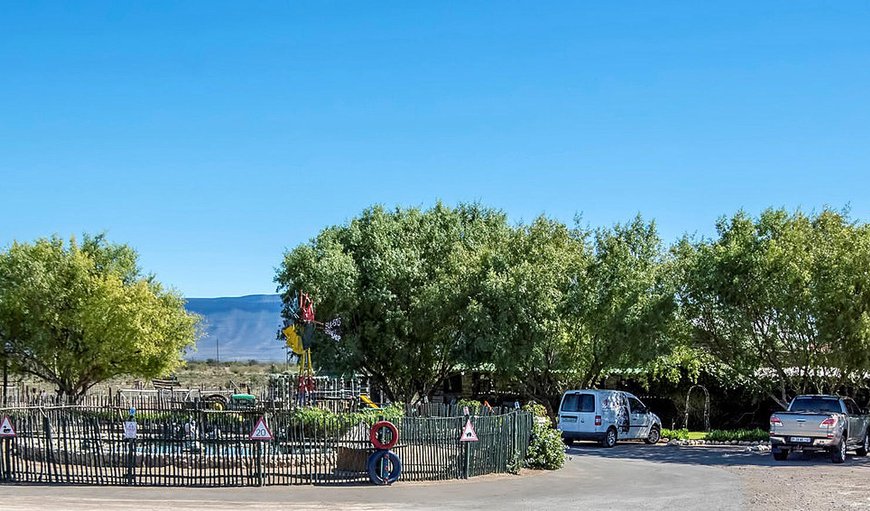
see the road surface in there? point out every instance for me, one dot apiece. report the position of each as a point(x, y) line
point(630, 476)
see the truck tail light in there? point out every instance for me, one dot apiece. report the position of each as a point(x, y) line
point(775, 421)
point(830, 422)
point(597, 420)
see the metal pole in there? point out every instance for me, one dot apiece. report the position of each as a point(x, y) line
point(5, 379)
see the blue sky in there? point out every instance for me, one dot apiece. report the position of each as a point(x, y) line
point(213, 135)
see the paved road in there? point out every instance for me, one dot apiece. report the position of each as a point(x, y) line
point(629, 476)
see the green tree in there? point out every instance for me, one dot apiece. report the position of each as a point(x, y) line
point(558, 307)
point(782, 301)
point(626, 301)
point(76, 314)
point(518, 322)
point(398, 280)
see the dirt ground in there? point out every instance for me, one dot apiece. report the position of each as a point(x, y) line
point(807, 482)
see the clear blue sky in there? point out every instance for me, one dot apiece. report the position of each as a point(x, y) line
point(213, 135)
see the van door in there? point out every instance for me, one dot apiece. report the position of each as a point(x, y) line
point(577, 413)
point(640, 418)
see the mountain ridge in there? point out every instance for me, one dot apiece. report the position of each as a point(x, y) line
point(238, 328)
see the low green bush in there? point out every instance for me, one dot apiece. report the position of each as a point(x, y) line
point(546, 448)
point(740, 435)
point(675, 434)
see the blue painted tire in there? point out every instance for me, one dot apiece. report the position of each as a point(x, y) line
point(374, 467)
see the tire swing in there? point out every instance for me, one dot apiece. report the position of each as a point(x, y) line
point(375, 435)
point(383, 465)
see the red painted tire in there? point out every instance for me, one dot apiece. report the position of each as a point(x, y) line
point(373, 435)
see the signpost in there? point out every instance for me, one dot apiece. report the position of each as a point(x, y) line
point(7, 433)
point(261, 432)
point(130, 430)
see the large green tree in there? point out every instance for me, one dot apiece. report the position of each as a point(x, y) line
point(557, 307)
point(398, 280)
point(78, 313)
point(782, 300)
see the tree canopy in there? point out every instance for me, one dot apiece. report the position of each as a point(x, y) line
point(782, 300)
point(78, 313)
point(542, 306)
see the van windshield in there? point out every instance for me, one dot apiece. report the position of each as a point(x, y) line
point(578, 403)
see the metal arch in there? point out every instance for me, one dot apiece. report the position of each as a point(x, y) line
point(706, 406)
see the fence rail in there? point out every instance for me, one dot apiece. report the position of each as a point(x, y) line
point(210, 448)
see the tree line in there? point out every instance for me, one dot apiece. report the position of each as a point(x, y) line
point(779, 302)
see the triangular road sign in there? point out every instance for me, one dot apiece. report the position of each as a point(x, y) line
point(468, 433)
point(6, 429)
point(261, 431)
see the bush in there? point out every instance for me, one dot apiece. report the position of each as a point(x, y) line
point(675, 434)
point(546, 449)
point(740, 435)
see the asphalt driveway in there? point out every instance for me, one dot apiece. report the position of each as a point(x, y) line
point(630, 476)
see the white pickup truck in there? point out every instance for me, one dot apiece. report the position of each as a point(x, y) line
point(820, 423)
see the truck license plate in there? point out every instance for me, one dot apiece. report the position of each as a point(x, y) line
point(800, 439)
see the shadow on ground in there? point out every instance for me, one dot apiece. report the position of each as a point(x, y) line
point(711, 456)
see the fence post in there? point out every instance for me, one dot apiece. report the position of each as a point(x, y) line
point(260, 479)
point(466, 447)
point(7, 455)
point(131, 457)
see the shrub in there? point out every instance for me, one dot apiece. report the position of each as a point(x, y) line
point(546, 449)
point(675, 434)
point(740, 435)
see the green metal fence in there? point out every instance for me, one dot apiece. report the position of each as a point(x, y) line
point(87, 445)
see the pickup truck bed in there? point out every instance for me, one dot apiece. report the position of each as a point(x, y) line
point(819, 423)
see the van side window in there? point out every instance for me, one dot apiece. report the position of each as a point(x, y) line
point(579, 403)
point(636, 405)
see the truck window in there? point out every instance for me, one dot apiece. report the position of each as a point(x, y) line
point(579, 403)
point(851, 407)
point(815, 405)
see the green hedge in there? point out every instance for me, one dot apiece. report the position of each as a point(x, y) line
point(675, 434)
point(740, 435)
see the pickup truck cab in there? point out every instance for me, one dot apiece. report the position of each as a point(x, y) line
point(606, 416)
point(820, 423)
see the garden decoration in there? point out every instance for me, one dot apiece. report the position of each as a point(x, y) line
point(299, 329)
point(384, 466)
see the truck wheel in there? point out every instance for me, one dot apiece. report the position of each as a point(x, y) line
point(838, 453)
point(654, 435)
point(780, 455)
point(865, 447)
point(610, 438)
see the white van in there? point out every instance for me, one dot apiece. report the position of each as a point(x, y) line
point(606, 416)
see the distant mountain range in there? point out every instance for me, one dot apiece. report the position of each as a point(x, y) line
point(238, 328)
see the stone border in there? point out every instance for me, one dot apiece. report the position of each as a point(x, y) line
point(763, 446)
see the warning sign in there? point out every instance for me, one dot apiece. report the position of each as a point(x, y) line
point(6, 429)
point(468, 433)
point(261, 431)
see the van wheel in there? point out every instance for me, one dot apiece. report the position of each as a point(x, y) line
point(865, 447)
point(653, 437)
point(838, 453)
point(780, 455)
point(609, 439)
